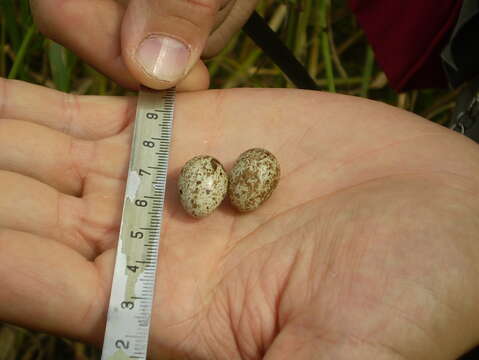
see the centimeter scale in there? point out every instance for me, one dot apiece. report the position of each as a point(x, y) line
point(131, 298)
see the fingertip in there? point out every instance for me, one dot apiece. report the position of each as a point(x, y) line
point(197, 79)
point(162, 61)
point(161, 74)
point(163, 58)
point(162, 41)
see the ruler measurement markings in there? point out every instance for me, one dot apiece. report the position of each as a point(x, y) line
point(150, 279)
point(146, 281)
point(157, 191)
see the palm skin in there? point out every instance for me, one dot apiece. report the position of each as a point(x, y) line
point(367, 250)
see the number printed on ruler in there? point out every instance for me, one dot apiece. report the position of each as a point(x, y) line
point(129, 311)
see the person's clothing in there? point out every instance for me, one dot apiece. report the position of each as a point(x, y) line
point(461, 55)
point(407, 37)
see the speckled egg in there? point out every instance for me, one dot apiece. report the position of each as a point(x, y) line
point(202, 185)
point(253, 178)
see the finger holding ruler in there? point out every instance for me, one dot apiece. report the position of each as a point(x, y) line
point(131, 299)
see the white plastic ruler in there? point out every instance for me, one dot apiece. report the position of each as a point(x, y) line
point(131, 298)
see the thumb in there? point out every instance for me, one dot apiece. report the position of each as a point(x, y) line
point(162, 40)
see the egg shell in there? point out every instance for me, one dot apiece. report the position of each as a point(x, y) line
point(202, 185)
point(253, 179)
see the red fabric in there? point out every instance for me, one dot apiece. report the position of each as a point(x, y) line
point(407, 37)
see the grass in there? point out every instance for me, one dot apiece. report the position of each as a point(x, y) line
point(323, 34)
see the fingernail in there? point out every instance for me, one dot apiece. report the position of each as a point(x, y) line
point(163, 57)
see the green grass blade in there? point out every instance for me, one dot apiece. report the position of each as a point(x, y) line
point(367, 72)
point(19, 59)
point(241, 73)
point(3, 55)
point(324, 8)
point(215, 63)
point(291, 23)
point(301, 29)
point(313, 66)
point(61, 72)
point(7, 343)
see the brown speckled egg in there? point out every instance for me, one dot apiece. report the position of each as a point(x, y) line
point(202, 185)
point(253, 178)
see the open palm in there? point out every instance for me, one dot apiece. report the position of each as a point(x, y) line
point(367, 249)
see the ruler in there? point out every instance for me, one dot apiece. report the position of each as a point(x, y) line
point(131, 298)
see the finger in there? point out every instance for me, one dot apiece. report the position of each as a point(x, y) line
point(90, 28)
point(163, 40)
point(99, 41)
point(49, 287)
point(196, 80)
point(59, 160)
point(87, 225)
point(231, 18)
point(86, 117)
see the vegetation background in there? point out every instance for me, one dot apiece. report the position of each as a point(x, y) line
point(322, 34)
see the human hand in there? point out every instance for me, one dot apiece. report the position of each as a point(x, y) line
point(156, 43)
point(367, 250)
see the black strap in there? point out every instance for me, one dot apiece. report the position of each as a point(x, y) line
point(471, 355)
point(259, 31)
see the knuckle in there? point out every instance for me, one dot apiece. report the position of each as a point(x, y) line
point(188, 22)
point(209, 7)
point(198, 12)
